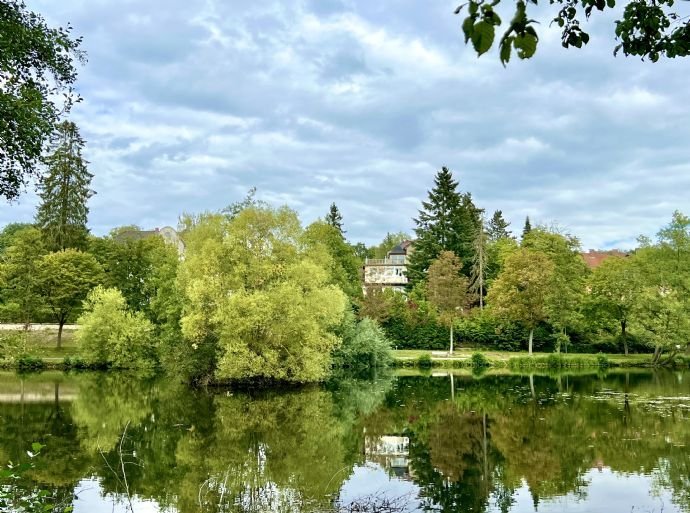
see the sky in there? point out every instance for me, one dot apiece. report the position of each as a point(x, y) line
point(188, 104)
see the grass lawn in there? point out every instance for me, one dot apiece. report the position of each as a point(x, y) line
point(504, 356)
point(40, 344)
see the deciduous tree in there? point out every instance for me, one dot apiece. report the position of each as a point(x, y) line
point(520, 293)
point(37, 73)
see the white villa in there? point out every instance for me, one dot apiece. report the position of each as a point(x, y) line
point(389, 272)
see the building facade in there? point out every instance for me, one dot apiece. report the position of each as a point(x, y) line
point(389, 272)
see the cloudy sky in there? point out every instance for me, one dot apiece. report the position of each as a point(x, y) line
point(188, 104)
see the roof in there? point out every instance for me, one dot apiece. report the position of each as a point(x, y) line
point(401, 249)
point(593, 258)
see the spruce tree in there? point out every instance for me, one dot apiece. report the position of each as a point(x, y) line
point(64, 191)
point(448, 221)
point(479, 264)
point(498, 227)
point(335, 219)
point(527, 228)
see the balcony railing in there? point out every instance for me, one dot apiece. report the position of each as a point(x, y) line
point(384, 261)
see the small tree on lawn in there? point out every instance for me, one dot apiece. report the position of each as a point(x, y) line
point(447, 289)
point(64, 279)
point(521, 291)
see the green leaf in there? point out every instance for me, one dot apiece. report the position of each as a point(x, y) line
point(526, 45)
point(473, 8)
point(482, 37)
point(468, 28)
point(36, 447)
point(505, 50)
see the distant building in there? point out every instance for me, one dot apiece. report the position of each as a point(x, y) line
point(169, 235)
point(389, 272)
point(594, 258)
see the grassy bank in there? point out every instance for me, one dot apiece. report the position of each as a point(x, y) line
point(36, 349)
point(518, 361)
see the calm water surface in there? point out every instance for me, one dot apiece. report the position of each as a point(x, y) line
point(589, 443)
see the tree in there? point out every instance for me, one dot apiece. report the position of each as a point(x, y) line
point(565, 299)
point(520, 292)
point(65, 191)
point(615, 287)
point(8, 232)
point(37, 72)
point(527, 228)
point(498, 227)
point(646, 29)
point(257, 301)
point(664, 314)
point(447, 288)
point(345, 266)
point(110, 334)
point(479, 264)
point(364, 346)
point(335, 219)
point(448, 221)
point(389, 242)
point(64, 280)
point(19, 266)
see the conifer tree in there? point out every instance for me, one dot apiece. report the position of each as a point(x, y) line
point(479, 264)
point(527, 228)
point(498, 227)
point(448, 221)
point(65, 191)
point(335, 218)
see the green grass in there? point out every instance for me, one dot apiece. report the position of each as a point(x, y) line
point(37, 344)
point(463, 358)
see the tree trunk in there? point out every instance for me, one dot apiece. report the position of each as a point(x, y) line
point(451, 338)
point(624, 336)
point(657, 354)
point(531, 338)
point(59, 342)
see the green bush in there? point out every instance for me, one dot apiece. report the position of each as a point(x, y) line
point(555, 361)
point(75, 362)
point(364, 345)
point(603, 360)
point(26, 363)
point(425, 361)
point(479, 360)
point(112, 336)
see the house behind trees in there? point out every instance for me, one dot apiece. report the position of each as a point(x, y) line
point(389, 272)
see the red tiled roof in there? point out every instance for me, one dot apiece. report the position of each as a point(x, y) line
point(594, 258)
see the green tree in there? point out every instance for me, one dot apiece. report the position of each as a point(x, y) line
point(345, 266)
point(664, 315)
point(646, 29)
point(479, 264)
point(446, 289)
point(257, 300)
point(37, 72)
point(498, 227)
point(448, 221)
point(64, 280)
point(672, 260)
point(566, 297)
point(335, 219)
point(111, 335)
point(8, 232)
point(19, 273)
point(389, 242)
point(527, 228)
point(364, 344)
point(615, 288)
point(520, 293)
point(65, 191)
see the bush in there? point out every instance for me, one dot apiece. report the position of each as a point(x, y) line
point(425, 361)
point(112, 336)
point(554, 361)
point(479, 360)
point(75, 362)
point(364, 345)
point(603, 360)
point(30, 363)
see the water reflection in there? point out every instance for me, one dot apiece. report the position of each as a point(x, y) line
point(445, 443)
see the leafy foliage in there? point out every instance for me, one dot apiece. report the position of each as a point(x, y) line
point(647, 29)
point(37, 73)
point(364, 345)
point(112, 336)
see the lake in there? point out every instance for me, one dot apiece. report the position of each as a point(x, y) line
point(610, 442)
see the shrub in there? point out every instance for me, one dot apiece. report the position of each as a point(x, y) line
point(479, 360)
point(75, 362)
point(425, 361)
point(603, 360)
point(555, 361)
point(30, 363)
point(364, 345)
point(110, 335)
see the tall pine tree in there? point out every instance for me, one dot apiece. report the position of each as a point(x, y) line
point(527, 228)
point(448, 221)
point(498, 227)
point(479, 263)
point(335, 219)
point(64, 191)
